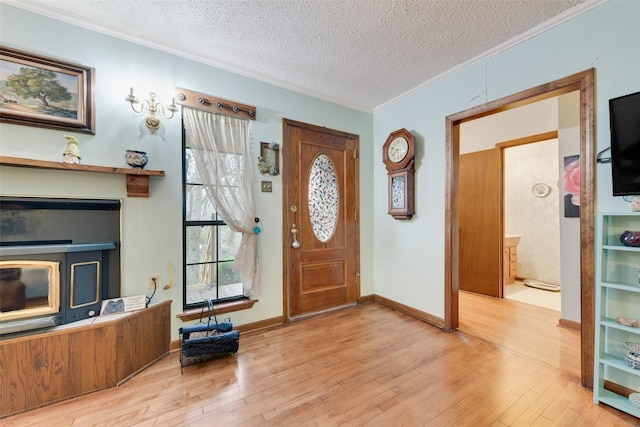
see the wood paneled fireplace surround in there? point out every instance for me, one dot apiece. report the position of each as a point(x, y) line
point(41, 363)
point(38, 370)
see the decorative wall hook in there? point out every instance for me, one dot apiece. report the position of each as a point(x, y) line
point(201, 101)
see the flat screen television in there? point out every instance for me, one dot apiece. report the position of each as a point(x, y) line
point(624, 115)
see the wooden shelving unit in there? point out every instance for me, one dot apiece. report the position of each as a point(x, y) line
point(617, 295)
point(137, 180)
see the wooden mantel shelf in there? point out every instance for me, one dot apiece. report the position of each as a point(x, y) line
point(137, 179)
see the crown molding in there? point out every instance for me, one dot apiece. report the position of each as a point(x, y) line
point(51, 12)
point(514, 41)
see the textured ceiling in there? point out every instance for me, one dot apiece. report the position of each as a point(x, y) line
point(358, 53)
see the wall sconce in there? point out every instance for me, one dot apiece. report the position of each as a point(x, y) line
point(152, 120)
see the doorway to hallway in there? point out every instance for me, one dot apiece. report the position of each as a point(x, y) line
point(582, 82)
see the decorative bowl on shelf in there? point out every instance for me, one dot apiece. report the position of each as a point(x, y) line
point(632, 359)
point(632, 346)
point(631, 238)
point(634, 398)
point(136, 159)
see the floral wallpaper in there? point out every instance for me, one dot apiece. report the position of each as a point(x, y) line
point(536, 219)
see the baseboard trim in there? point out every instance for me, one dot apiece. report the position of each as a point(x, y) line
point(249, 327)
point(617, 388)
point(394, 305)
point(266, 323)
point(366, 299)
point(569, 324)
point(410, 311)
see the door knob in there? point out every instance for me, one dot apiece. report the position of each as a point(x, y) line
point(294, 232)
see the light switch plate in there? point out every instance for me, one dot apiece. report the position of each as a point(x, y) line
point(266, 186)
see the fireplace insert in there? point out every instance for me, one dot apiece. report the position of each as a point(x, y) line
point(48, 285)
point(59, 259)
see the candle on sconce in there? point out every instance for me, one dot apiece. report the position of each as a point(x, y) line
point(153, 108)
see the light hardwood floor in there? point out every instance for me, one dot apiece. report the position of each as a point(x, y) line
point(518, 291)
point(509, 364)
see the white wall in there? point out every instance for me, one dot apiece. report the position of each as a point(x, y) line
point(409, 262)
point(531, 119)
point(569, 137)
point(152, 227)
point(403, 260)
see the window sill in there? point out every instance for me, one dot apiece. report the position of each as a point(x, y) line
point(220, 308)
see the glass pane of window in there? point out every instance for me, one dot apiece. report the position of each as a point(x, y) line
point(201, 283)
point(229, 241)
point(234, 168)
point(199, 206)
point(210, 245)
point(226, 274)
point(192, 173)
point(200, 242)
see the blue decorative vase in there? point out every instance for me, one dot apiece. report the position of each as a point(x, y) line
point(630, 238)
point(136, 159)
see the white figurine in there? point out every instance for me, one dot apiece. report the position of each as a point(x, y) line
point(72, 152)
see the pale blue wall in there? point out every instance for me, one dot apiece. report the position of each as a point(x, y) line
point(152, 231)
point(409, 260)
point(408, 256)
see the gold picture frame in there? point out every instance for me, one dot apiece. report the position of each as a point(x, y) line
point(67, 103)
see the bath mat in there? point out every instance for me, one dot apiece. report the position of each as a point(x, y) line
point(541, 285)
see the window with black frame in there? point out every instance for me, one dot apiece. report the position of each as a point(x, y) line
point(209, 244)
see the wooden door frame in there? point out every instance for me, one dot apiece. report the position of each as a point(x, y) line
point(584, 83)
point(286, 173)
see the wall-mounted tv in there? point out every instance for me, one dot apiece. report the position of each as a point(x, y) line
point(624, 115)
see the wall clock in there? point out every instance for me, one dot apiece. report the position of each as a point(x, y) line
point(398, 154)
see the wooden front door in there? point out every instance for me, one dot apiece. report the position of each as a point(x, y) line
point(480, 223)
point(320, 214)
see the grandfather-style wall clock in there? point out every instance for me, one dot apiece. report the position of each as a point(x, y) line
point(398, 154)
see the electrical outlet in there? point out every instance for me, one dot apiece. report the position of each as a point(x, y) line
point(153, 281)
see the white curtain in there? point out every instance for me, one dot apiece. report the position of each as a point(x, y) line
point(222, 151)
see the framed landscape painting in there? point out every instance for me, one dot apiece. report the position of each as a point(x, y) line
point(45, 92)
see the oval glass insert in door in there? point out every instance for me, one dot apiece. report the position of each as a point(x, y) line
point(323, 197)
